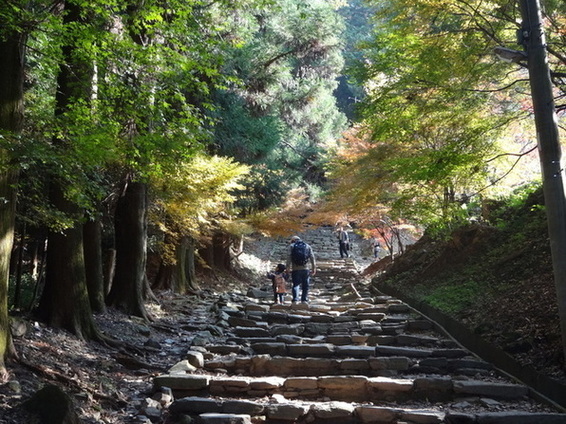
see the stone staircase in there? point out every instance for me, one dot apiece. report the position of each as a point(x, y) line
point(347, 357)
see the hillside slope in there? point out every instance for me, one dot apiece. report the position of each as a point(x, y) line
point(496, 280)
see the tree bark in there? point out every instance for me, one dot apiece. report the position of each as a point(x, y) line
point(109, 269)
point(167, 275)
point(131, 249)
point(18, 266)
point(192, 284)
point(221, 251)
point(64, 302)
point(92, 246)
point(12, 52)
point(549, 148)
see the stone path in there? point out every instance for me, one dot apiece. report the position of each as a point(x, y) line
point(350, 356)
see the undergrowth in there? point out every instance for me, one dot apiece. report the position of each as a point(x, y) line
point(466, 279)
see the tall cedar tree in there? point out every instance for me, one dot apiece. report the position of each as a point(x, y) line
point(130, 221)
point(65, 302)
point(12, 51)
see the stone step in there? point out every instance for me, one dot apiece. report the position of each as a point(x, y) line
point(355, 363)
point(347, 388)
point(316, 307)
point(366, 332)
point(349, 356)
point(370, 335)
point(224, 411)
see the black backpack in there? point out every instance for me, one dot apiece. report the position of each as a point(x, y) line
point(300, 253)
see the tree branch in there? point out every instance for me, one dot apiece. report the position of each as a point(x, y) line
point(519, 157)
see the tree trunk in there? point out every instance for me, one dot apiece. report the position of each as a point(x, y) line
point(109, 269)
point(7, 217)
point(163, 278)
point(37, 245)
point(12, 52)
point(221, 251)
point(549, 149)
point(19, 268)
point(93, 263)
point(131, 248)
point(192, 284)
point(167, 277)
point(179, 277)
point(65, 301)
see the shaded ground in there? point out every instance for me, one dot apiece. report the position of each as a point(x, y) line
point(108, 385)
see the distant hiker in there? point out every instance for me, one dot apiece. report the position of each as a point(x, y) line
point(376, 248)
point(343, 242)
point(299, 256)
point(279, 278)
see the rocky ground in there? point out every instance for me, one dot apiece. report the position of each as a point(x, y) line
point(107, 384)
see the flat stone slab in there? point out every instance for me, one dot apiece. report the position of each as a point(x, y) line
point(403, 351)
point(182, 382)
point(369, 310)
point(224, 349)
point(390, 384)
point(372, 316)
point(333, 410)
point(195, 405)
point(284, 329)
point(355, 351)
point(245, 322)
point(213, 418)
point(412, 340)
point(395, 363)
point(267, 383)
point(251, 332)
point(301, 383)
point(246, 407)
point(273, 348)
point(423, 417)
point(321, 349)
point(488, 389)
point(286, 412)
point(520, 418)
point(377, 414)
point(342, 382)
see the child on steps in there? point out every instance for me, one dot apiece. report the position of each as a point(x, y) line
point(279, 279)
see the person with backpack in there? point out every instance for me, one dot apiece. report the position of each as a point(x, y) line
point(300, 255)
point(279, 278)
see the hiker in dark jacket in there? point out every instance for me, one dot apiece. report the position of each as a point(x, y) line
point(300, 272)
point(343, 243)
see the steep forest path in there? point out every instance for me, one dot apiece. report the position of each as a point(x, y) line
point(350, 356)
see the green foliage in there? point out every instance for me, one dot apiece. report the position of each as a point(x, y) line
point(455, 298)
point(194, 196)
point(433, 113)
point(263, 188)
point(155, 65)
point(478, 262)
point(523, 208)
point(283, 113)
